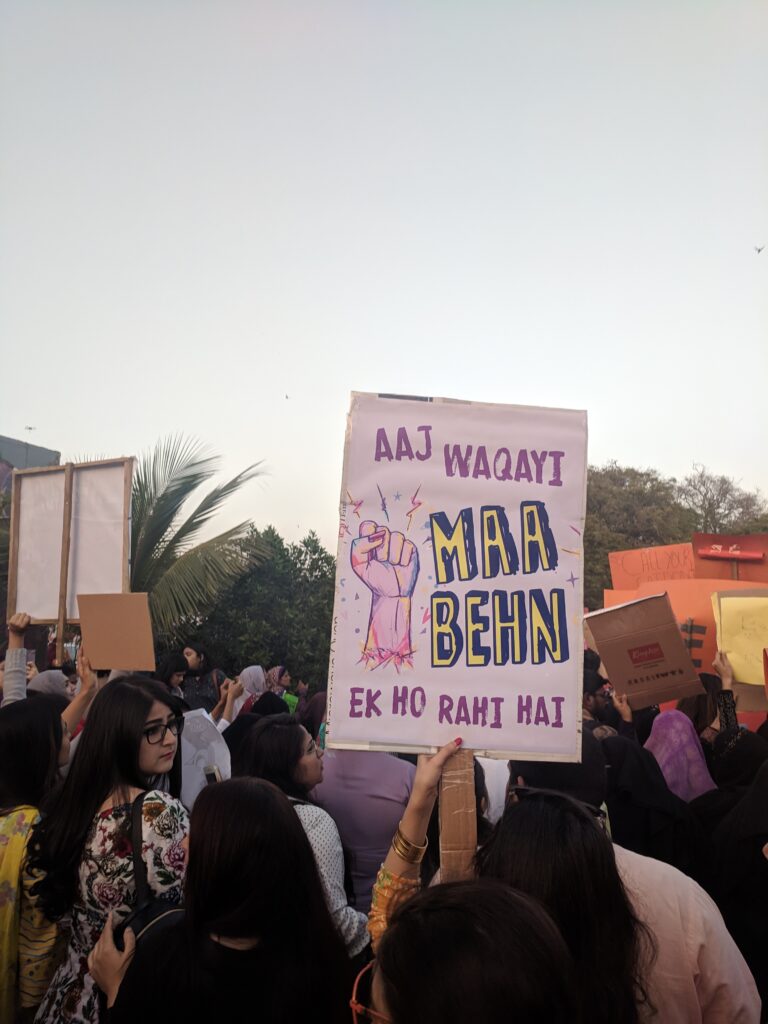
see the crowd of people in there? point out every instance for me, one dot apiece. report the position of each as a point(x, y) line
point(630, 887)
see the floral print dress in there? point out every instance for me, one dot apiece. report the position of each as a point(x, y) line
point(106, 883)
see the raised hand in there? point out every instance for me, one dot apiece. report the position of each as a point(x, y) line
point(388, 564)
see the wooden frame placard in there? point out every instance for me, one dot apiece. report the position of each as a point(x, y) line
point(70, 531)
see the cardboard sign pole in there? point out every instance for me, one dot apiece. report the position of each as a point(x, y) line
point(458, 818)
point(66, 533)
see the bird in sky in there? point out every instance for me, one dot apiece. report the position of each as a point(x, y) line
point(759, 249)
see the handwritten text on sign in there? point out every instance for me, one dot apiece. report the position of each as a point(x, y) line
point(458, 590)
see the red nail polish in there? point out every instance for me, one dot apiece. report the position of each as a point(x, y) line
point(458, 741)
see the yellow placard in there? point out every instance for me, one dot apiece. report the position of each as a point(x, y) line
point(743, 634)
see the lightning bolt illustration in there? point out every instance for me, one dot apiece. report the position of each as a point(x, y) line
point(415, 504)
point(355, 504)
point(383, 502)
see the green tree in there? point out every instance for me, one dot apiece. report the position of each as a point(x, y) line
point(278, 613)
point(720, 505)
point(183, 575)
point(628, 508)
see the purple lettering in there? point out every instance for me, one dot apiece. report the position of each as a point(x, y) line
point(355, 702)
point(524, 709)
point(456, 460)
point(445, 707)
point(427, 453)
point(539, 459)
point(481, 464)
point(556, 481)
point(383, 450)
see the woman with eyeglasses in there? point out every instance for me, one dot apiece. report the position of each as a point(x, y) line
point(82, 844)
point(249, 944)
point(281, 751)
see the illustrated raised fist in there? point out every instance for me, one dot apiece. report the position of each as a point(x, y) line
point(388, 564)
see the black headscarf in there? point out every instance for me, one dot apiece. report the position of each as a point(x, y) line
point(737, 755)
point(646, 817)
point(742, 877)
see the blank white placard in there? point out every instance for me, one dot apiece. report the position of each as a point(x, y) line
point(96, 545)
point(97, 554)
point(41, 512)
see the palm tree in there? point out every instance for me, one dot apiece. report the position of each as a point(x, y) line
point(183, 578)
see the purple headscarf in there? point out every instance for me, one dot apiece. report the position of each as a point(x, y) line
point(677, 748)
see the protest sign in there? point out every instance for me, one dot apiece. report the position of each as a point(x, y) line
point(117, 631)
point(645, 565)
point(643, 651)
point(692, 604)
point(202, 747)
point(458, 606)
point(69, 535)
point(741, 620)
point(731, 556)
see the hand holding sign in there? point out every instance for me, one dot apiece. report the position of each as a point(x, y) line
point(388, 565)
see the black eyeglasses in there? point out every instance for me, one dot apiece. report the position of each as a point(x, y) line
point(156, 733)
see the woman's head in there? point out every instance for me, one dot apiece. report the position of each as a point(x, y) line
point(473, 951)
point(251, 874)
point(277, 680)
point(34, 743)
point(172, 670)
point(281, 751)
point(244, 836)
point(553, 848)
point(198, 662)
point(124, 742)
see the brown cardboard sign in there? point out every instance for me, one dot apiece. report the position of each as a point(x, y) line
point(117, 631)
point(643, 651)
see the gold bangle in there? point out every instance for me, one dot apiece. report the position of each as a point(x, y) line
point(410, 852)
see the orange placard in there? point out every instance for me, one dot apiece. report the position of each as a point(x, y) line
point(720, 556)
point(644, 565)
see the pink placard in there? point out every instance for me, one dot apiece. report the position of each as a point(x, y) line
point(458, 607)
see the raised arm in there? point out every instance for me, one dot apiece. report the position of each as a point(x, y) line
point(15, 678)
point(399, 873)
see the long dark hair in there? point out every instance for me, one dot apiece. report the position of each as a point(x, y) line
point(551, 846)
point(205, 660)
point(476, 951)
point(170, 665)
point(30, 740)
point(244, 837)
point(271, 750)
point(106, 761)
point(702, 709)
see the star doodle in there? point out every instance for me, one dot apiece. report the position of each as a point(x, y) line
point(398, 495)
point(572, 580)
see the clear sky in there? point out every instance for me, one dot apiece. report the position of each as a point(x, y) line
point(208, 205)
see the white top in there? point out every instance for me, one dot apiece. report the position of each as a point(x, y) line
point(329, 856)
point(699, 974)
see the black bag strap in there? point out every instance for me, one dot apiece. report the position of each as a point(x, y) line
point(143, 894)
